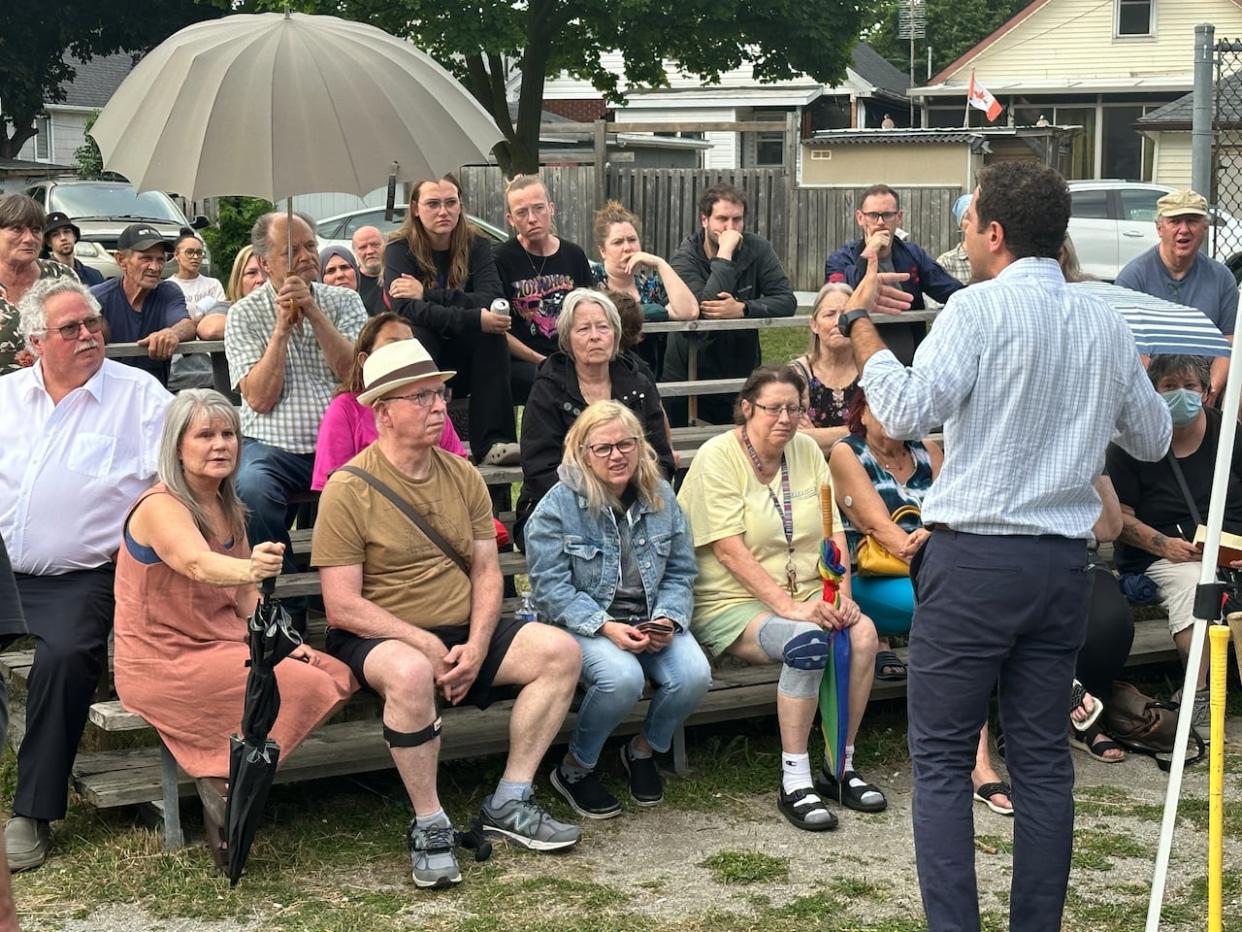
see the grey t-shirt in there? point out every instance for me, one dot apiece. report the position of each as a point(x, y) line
point(630, 600)
point(1208, 286)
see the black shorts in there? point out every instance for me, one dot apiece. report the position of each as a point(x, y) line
point(352, 651)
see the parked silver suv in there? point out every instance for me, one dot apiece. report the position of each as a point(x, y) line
point(1112, 221)
point(102, 209)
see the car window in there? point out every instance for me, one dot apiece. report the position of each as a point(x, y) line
point(114, 202)
point(1089, 205)
point(1139, 203)
point(329, 231)
point(37, 194)
point(371, 218)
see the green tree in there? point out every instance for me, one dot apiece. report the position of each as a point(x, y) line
point(35, 37)
point(480, 41)
point(88, 162)
point(953, 28)
point(232, 231)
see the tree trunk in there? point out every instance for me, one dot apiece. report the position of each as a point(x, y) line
point(10, 146)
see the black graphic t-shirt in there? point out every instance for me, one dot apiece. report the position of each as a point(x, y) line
point(536, 286)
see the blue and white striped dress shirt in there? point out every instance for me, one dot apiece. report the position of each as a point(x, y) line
point(1031, 378)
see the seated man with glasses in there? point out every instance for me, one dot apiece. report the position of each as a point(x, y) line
point(406, 552)
point(879, 216)
point(78, 443)
point(140, 307)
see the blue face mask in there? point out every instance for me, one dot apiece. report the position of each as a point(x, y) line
point(1184, 405)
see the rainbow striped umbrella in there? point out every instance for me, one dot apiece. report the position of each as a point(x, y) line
point(834, 688)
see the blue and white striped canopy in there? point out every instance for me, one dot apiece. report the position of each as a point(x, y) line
point(1160, 326)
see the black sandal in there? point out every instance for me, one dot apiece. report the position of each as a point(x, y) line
point(797, 807)
point(850, 790)
point(986, 791)
point(887, 660)
point(1095, 743)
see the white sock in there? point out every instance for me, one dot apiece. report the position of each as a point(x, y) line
point(849, 758)
point(796, 772)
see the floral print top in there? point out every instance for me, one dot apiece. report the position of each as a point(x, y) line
point(13, 352)
point(826, 406)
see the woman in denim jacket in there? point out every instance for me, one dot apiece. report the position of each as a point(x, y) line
point(611, 559)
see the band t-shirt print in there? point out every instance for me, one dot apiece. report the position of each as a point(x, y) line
point(536, 287)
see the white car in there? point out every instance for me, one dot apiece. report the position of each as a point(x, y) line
point(1111, 222)
point(339, 230)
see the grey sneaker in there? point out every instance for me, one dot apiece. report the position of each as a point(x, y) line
point(1201, 715)
point(528, 824)
point(431, 854)
point(26, 842)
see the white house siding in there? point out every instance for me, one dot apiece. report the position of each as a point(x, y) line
point(320, 206)
point(68, 132)
point(1172, 165)
point(1073, 39)
point(724, 152)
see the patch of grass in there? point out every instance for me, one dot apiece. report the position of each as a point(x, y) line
point(854, 888)
point(780, 346)
point(743, 867)
point(1094, 847)
point(994, 843)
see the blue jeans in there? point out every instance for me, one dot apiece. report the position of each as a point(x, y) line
point(886, 600)
point(614, 681)
point(267, 479)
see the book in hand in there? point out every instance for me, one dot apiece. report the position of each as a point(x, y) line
point(1230, 545)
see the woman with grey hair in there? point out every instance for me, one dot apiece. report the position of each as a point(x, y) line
point(588, 367)
point(185, 586)
point(21, 238)
point(828, 370)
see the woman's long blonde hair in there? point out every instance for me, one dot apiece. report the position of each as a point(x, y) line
point(186, 408)
point(646, 476)
point(233, 291)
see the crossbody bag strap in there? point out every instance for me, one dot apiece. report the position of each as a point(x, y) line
point(1181, 483)
point(404, 507)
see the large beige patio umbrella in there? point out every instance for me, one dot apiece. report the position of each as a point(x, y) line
point(277, 104)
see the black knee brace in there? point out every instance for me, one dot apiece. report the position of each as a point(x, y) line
point(412, 739)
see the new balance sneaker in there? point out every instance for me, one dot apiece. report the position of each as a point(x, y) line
point(528, 824)
point(586, 795)
point(431, 854)
point(646, 787)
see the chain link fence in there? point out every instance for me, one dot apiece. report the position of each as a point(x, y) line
point(1225, 242)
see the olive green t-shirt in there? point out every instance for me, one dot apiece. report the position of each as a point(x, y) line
point(403, 572)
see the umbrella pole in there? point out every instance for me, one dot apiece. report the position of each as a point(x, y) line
point(1207, 578)
point(289, 231)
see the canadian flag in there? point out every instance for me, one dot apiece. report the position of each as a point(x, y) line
point(981, 98)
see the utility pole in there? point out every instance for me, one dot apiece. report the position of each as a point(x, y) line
point(911, 24)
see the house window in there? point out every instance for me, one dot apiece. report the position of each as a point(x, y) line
point(1136, 17)
point(769, 149)
point(43, 139)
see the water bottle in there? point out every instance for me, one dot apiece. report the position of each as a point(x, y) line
point(526, 611)
point(500, 306)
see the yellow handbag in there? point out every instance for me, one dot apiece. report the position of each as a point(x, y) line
point(874, 560)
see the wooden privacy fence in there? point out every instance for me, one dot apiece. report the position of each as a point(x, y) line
point(666, 202)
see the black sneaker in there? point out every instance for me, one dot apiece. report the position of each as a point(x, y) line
point(586, 796)
point(852, 791)
point(646, 787)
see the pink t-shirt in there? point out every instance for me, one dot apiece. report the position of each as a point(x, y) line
point(348, 428)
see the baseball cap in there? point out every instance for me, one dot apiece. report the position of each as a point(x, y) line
point(57, 220)
point(1181, 203)
point(140, 236)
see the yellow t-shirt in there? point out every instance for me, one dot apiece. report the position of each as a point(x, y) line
point(722, 497)
point(402, 571)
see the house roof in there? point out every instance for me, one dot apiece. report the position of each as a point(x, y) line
point(96, 80)
point(1179, 113)
point(26, 167)
point(1116, 85)
point(976, 136)
point(877, 70)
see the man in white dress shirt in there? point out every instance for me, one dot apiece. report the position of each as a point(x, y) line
point(78, 443)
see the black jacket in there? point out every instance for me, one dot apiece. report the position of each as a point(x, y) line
point(448, 312)
point(754, 277)
point(555, 403)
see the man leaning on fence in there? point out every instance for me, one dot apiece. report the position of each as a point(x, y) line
point(415, 611)
point(78, 443)
point(289, 343)
point(733, 274)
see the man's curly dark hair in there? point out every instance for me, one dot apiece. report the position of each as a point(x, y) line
point(1030, 201)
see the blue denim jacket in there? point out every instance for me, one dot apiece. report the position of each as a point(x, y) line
point(575, 559)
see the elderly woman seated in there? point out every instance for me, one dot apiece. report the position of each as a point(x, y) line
point(185, 586)
point(880, 484)
point(611, 559)
point(752, 496)
point(589, 367)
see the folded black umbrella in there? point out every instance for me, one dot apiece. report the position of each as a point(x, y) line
point(253, 756)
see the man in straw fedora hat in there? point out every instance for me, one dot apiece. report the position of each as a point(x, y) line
point(414, 610)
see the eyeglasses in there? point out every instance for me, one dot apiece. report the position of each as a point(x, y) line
point(625, 447)
point(449, 204)
point(534, 210)
point(793, 411)
point(424, 399)
point(70, 330)
point(876, 216)
point(193, 253)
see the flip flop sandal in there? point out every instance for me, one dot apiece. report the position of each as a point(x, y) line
point(986, 791)
point(798, 806)
point(1096, 744)
point(888, 660)
point(1078, 694)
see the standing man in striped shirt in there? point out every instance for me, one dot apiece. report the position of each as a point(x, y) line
point(1031, 379)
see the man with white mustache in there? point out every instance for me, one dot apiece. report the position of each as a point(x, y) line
point(1177, 271)
point(78, 443)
